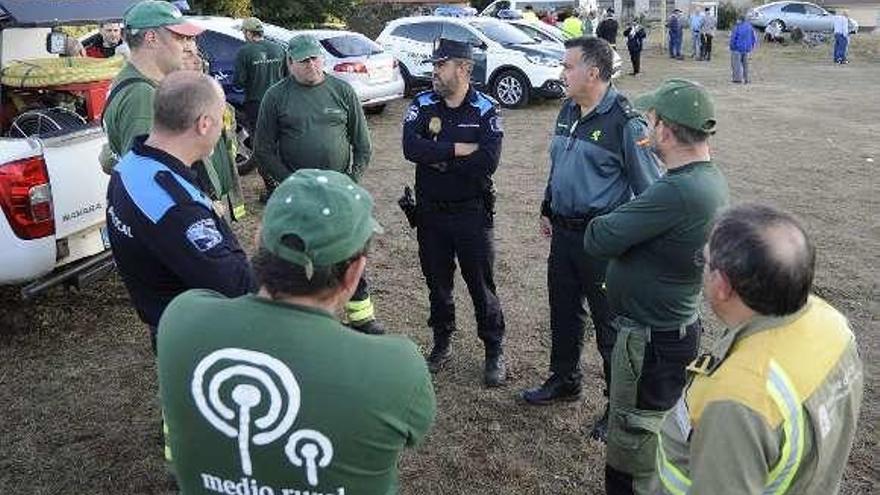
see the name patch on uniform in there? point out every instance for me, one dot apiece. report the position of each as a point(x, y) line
point(204, 234)
point(412, 113)
point(495, 124)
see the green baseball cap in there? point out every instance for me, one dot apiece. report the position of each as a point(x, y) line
point(252, 24)
point(303, 46)
point(331, 214)
point(683, 102)
point(157, 13)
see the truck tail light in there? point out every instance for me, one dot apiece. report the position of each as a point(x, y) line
point(351, 68)
point(26, 197)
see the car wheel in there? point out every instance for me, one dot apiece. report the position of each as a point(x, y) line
point(375, 109)
point(511, 89)
point(244, 159)
point(408, 89)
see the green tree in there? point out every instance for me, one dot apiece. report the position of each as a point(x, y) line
point(303, 13)
point(231, 8)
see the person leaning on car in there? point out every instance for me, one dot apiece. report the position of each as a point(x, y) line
point(312, 120)
point(166, 236)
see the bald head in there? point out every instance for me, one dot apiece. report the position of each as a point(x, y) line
point(182, 98)
point(766, 256)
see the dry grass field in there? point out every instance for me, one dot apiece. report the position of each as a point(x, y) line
point(77, 378)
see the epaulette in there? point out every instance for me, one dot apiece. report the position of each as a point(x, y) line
point(427, 97)
point(483, 102)
point(629, 111)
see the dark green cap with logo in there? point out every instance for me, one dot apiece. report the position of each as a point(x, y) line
point(683, 102)
point(302, 47)
point(157, 13)
point(330, 214)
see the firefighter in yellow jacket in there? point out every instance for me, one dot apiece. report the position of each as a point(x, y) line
point(773, 407)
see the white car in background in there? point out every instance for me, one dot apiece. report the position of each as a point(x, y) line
point(552, 34)
point(350, 56)
point(508, 64)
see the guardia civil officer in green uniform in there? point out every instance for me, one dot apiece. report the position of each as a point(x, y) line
point(258, 65)
point(314, 120)
point(652, 282)
point(271, 390)
point(598, 161)
point(772, 408)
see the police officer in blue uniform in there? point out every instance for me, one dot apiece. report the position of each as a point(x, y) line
point(453, 135)
point(600, 159)
point(165, 233)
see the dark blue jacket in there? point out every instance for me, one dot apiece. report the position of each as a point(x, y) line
point(742, 38)
point(165, 235)
point(440, 176)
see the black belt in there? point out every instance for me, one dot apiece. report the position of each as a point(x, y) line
point(570, 223)
point(451, 206)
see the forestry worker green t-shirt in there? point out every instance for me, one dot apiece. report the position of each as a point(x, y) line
point(268, 398)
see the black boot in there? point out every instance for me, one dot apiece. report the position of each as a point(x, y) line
point(440, 353)
point(495, 371)
point(555, 389)
point(369, 327)
point(600, 427)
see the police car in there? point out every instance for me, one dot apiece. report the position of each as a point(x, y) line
point(509, 64)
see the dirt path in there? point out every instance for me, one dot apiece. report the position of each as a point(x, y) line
point(78, 379)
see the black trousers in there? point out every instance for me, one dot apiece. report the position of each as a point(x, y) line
point(251, 110)
point(467, 236)
point(363, 289)
point(573, 276)
point(636, 59)
point(706, 47)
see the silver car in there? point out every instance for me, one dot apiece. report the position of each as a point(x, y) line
point(779, 17)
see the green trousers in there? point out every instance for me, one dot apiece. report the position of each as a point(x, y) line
point(647, 378)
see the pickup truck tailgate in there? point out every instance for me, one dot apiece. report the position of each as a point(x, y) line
point(79, 190)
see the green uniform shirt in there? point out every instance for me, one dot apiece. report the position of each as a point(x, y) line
point(319, 126)
point(259, 65)
point(653, 241)
point(771, 410)
point(130, 112)
point(259, 394)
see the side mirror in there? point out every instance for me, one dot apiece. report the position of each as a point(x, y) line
point(56, 41)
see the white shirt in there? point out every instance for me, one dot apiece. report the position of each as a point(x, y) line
point(841, 25)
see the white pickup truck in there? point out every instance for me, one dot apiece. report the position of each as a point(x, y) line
point(52, 189)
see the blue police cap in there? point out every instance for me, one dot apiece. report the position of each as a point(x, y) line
point(445, 49)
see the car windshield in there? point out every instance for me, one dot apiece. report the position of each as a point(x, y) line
point(350, 45)
point(503, 33)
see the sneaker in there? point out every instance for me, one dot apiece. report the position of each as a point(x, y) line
point(555, 389)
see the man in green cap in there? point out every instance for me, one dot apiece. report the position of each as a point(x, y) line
point(258, 65)
point(653, 284)
point(312, 120)
point(159, 39)
point(271, 390)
